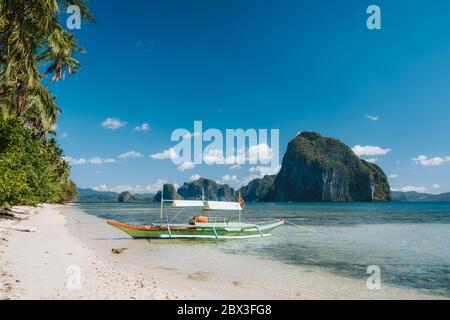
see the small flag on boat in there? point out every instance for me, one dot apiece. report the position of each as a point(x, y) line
point(241, 201)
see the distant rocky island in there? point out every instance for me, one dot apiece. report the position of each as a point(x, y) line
point(170, 193)
point(317, 168)
point(212, 190)
point(314, 168)
point(259, 189)
point(126, 196)
point(250, 192)
point(91, 195)
point(412, 196)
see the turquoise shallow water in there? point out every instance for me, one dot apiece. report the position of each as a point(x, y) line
point(410, 242)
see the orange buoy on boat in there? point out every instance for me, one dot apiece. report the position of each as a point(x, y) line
point(195, 219)
point(201, 219)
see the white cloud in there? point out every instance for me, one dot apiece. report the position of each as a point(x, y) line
point(227, 179)
point(186, 166)
point(369, 150)
point(64, 135)
point(372, 117)
point(75, 162)
point(113, 123)
point(194, 177)
point(262, 171)
point(142, 128)
point(371, 160)
point(428, 162)
point(131, 154)
point(166, 154)
point(95, 160)
point(153, 188)
point(102, 187)
point(260, 152)
point(393, 176)
point(435, 186)
point(99, 160)
point(214, 156)
point(411, 188)
point(157, 186)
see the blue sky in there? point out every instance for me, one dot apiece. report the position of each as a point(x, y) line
point(291, 65)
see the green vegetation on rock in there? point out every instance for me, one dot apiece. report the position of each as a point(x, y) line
point(259, 189)
point(317, 168)
point(169, 193)
point(126, 197)
point(210, 189)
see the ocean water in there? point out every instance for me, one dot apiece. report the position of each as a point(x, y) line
point(410, 242)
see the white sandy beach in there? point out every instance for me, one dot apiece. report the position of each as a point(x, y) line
point(44, 264)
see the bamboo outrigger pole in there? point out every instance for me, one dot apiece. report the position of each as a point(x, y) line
point(239, 210)
point(162, 202)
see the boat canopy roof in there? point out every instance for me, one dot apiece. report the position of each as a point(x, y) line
point(223, 205)
point(187, 203)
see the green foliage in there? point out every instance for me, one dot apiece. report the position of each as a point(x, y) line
point(33, 46)
point(31, 172)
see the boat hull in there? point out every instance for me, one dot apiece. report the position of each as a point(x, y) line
point(209, 232)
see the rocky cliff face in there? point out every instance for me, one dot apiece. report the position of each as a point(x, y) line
point(213, 190)
point(260, 189)
point(317, 168)
point(381, 190)
point(126, 197)
point(169, 193)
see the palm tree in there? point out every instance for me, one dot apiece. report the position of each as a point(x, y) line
point(31, 38)
point(60, 58)
point(33, 47)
